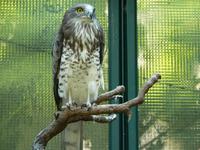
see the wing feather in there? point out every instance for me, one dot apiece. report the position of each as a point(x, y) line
point(56, 55)
point(102, 53)
point(101, 44)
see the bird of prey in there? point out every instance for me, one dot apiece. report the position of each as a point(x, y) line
point(77, 63)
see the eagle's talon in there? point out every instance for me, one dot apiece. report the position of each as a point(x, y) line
point(74, 104)
point(94, 104)
point(83, 105)
point(69, 105)
point(88, 106)
point(56, 115)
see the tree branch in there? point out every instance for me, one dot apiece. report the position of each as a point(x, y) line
point(110, 94)
point(63, 118)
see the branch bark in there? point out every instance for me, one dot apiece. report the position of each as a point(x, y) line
point(66, 116)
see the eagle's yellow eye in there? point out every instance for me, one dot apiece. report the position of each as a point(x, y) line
point(79, 10)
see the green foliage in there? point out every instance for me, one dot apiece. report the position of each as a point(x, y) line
point(168, 37)
point(27, 31)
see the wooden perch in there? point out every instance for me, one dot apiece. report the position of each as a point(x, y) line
point(66, 116)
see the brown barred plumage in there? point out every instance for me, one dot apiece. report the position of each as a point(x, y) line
point(77, 57)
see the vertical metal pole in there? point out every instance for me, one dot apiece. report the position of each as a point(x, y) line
point(114, 68)
point(132, 70)
point(123, 69)
point(123, 51)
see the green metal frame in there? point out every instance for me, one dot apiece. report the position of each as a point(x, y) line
point(114, 63)
point(123, 69)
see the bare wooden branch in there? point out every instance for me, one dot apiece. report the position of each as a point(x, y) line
point(67, 116)
point(110, 94)
point(99, 118)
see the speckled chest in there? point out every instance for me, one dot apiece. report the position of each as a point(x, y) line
point(79, 73)
point(75, 64)
point(77, 70)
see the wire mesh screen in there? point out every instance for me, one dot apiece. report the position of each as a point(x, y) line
point(168, 43)
point(27, 31)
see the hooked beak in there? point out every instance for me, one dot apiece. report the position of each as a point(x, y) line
point(91, 14)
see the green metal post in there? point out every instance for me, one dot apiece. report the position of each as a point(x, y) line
point(123, 69)
point(131, 70)
point(114, 68)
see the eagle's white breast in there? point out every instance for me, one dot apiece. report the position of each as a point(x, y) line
point(80, 72)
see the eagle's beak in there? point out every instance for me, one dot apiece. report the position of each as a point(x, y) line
point(91, 14)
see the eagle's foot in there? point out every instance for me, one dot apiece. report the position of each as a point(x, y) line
point(74, 104)
point(88, 106)
point(94, 104)
point(71, 105)
point(56, 115)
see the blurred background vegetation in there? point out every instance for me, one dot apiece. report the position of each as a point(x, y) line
point(27, 32)
point(168, 43)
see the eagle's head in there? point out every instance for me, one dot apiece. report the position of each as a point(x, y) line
point(79, 20)
point(82, 12)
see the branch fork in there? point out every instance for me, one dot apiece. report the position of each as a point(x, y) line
point(96, 113)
